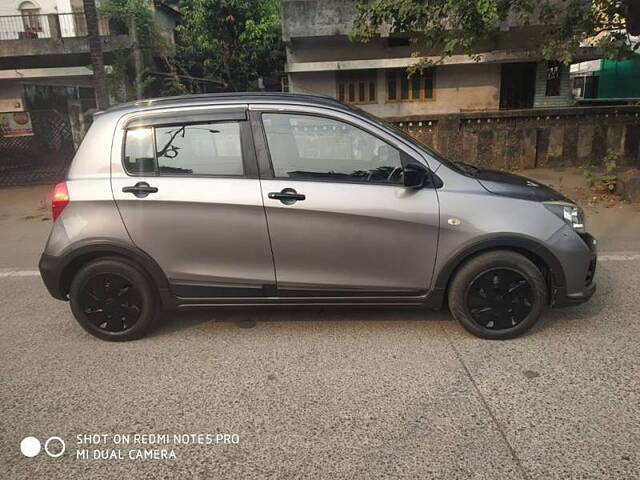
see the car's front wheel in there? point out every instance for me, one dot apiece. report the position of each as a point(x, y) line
point(113, 299)
point(498, 294)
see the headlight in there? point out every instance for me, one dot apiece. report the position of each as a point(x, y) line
point(570, 213)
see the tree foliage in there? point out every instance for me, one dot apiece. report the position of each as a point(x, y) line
point(459, 26)
point(126, 14)
point(124, 11)
point(230, 41)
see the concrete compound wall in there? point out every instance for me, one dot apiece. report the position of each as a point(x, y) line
point(523, 139)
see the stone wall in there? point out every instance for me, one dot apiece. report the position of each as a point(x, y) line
point(523, 139)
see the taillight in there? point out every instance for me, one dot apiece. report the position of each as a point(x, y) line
point(60, 200)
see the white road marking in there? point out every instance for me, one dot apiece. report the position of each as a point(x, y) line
point(604, 257)
point(14, 272)
point(617, 257)
point(26, 273)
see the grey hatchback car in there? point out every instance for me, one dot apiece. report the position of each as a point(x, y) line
point(283, 199)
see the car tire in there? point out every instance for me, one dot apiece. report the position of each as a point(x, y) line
point(113, 299)
point(498, 294)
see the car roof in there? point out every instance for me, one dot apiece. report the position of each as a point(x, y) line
point(224, 98)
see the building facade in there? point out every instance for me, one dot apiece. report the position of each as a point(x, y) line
point(606, 80)
point(46, 81)
point(322, 60)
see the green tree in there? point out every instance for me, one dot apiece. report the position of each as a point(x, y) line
point(130, 77)
point(233, 42)
point(458, 26)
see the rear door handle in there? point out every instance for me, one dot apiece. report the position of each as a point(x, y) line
point(288, 196)
point(140, 189)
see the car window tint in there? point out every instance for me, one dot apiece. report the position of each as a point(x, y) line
point(310, 147)
point(200, 149)
point(138, 152)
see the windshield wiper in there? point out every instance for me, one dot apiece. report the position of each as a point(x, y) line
point(466, 168)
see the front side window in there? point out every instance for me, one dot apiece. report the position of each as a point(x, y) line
point(320, 148)
point(190, 149)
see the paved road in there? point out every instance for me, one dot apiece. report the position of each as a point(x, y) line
point(323, 393)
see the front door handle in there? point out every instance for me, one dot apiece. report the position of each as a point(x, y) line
point(140, 189)
point(288, 196)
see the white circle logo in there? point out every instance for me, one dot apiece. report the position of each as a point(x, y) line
point(30, 446)
point(53, 454)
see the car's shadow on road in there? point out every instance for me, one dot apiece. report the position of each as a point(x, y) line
point(247, 318)
point(580, 317)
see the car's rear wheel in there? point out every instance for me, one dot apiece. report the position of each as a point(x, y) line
point(498, 294)
point(113, 299)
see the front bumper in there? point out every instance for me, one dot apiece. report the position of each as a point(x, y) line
point(563, 299)
point(51, 272)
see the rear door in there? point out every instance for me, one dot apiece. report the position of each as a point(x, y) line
point(187, 188)
point(341, 221)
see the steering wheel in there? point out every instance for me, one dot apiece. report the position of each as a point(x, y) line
point(392, 175)
point(390, 178)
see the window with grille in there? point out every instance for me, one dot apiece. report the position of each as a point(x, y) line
point(415, 88)
point(31, 19)
point(553, 79)
point(357, 87)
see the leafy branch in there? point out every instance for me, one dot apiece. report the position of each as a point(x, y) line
point(442, 28)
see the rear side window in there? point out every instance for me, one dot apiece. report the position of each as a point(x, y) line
point(209, 149)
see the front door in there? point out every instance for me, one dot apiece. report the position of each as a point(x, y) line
point(188, 193)
point(517, 85)
point(341, 221)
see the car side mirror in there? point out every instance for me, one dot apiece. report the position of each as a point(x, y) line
point(414, 175)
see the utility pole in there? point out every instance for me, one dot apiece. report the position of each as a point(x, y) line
point(137, 55)
point(97, 58)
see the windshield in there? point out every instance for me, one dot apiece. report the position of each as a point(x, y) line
point(457, 166)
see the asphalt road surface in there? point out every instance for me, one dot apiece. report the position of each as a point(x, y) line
point(317, 393)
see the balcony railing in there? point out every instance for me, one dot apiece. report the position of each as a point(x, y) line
point(53, 25)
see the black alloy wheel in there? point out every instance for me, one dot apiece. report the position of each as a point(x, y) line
point(114, 299)
point(499, 299)
point(498, 294)
point(111, 302)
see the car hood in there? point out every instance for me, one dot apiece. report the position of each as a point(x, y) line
point(516, 186)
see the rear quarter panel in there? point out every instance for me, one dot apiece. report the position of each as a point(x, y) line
point(91, 215)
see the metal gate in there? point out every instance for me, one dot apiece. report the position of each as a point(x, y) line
point(40, 158)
